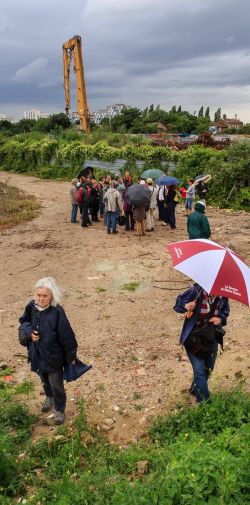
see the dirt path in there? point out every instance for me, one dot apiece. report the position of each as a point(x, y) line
point(130, 338)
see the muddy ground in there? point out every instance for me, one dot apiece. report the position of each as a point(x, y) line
point(131, 338)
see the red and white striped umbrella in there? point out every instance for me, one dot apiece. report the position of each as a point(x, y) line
point(215, 267)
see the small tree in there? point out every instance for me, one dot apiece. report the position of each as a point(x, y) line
point(217, 114)
point(201, 112)
point(207, 113)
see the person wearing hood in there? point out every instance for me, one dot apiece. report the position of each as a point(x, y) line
point(197, 222)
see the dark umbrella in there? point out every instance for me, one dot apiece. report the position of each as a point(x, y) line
point(138, 195)
point(167, 180)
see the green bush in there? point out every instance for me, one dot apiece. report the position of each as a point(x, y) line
point(225, 410)
point(15, 415)
point(62, 154)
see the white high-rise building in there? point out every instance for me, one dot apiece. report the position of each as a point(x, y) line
point(35, 114)
point(6, 117)
point(109, 112)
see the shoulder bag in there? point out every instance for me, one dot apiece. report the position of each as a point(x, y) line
point(202, 338)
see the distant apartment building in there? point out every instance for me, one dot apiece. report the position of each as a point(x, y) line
point(35, 114)
point(108, 113)
point(6, 117)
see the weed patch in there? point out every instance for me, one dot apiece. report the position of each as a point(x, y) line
point(196, 456)
point(16, 206)
point(131, 286)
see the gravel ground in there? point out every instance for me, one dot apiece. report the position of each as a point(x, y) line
point(131, 338)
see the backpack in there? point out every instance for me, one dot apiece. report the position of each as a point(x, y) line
point(177, 198)
point(79, 195)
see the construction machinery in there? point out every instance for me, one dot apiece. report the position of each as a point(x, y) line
point(72, 49)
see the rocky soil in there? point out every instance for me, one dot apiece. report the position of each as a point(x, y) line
point(131, 338)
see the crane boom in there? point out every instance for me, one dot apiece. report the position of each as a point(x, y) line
point(73, 49)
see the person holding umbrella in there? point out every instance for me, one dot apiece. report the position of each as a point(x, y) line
point(140, 217)
point(202, 311)
point(139, 197)
point(220, 274)
point(171, 200)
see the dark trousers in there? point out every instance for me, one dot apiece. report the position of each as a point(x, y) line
point(161, 210)
point(85, 215)
point(94, 211)
point(102, 206)
point(171, 214)
point(202, 368)
point(129, 220)
point(54, 388)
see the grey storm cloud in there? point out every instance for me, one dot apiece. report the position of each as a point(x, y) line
point(187, 52)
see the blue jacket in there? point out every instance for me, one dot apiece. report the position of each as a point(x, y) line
point(195, 293)
point(57, 344)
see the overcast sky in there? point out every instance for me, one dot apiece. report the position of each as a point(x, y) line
point(138, 52)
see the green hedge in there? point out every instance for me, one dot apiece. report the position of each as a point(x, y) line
point(51, 157)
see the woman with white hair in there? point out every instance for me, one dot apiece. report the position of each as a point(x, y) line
point(46, 332)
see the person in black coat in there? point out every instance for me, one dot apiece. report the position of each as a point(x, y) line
point(202, 190)
point(196, 303)
point(51, 343)
point(171, 204)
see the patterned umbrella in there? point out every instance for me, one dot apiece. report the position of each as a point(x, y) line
point(215, 267)
point(152, 173)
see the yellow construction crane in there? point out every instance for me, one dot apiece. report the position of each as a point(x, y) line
point(73, 49)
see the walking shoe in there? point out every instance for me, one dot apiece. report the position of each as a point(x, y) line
point(47, 404)
point(59, 417)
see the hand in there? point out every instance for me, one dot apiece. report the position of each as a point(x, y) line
point(35, 336)
point(215, 320)
point(190, 305)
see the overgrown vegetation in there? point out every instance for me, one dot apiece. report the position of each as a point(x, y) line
point(195, 456)
point(16, 206)
point(52, 156)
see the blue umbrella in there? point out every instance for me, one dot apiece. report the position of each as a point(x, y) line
point(167, 180)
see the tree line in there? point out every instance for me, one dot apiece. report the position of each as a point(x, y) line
point(130, 120)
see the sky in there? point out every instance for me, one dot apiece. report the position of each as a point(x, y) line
point(137, 52)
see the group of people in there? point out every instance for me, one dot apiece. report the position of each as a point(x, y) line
point(44, 327)
point(108, 199)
